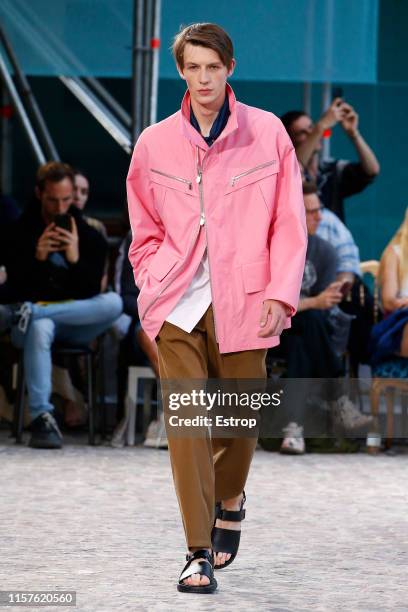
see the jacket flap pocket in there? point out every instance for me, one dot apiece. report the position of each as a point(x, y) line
point(255, 275)
point(241, 177)
point(172, 180)
point(162, 263)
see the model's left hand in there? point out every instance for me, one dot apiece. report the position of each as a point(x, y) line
point(350, 120)
point(273, 318)
point(69, 242)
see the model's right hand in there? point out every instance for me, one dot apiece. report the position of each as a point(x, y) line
point(47, 243)
point(329, 297)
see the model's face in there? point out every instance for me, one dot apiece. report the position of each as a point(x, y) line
point(205, 75)
point(300, 130)
point(313, 212)
point(56, 198)
point(81, 191)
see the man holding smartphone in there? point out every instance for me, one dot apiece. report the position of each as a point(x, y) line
point(55, 263)
point(336, 178)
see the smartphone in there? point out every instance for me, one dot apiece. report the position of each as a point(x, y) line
point(337, 92)
point(63, 221)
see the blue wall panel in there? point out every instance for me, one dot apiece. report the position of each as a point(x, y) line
point(279, 40)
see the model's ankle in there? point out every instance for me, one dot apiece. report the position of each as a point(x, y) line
point(233, 501)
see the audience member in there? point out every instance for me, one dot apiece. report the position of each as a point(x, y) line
point(139, 345)
point(9, 213)
point(57, 273)
point(336, 178)
point(307, 346)
point(81, 195)
point(390, 336)
point(135, 348)
point(358, 301)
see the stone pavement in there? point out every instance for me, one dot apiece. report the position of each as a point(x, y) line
point(323, 532)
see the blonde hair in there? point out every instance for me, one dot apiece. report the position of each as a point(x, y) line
point(400, 238)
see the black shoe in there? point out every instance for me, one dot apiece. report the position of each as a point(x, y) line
point(45, 432)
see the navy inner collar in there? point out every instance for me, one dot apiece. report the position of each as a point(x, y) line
point(218, 125)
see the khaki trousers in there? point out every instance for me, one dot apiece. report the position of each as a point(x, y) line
point(205, 470)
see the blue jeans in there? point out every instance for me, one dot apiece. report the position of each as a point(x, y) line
point(77, 323)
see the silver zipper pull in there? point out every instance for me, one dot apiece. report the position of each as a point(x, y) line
point(199, 177)
point(202, 218)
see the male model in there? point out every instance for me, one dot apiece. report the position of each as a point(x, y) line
point(218, 251)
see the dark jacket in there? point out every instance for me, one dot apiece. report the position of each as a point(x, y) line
point(54, 279)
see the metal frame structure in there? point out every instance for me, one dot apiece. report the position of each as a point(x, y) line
point(145, 64)
point(124, 128)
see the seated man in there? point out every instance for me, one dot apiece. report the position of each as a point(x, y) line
point(55, 264)
point(307, 346)
point(333, 230)
point(358, 300)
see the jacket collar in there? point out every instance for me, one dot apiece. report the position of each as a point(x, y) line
point(191, 133)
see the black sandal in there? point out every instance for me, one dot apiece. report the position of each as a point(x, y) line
point(227, 540)
point(204, 568)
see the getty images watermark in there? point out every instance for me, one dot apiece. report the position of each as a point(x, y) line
point(219, 400)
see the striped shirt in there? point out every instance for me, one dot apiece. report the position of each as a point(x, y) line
point(332, 229)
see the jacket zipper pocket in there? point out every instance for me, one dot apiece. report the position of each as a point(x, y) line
point(172, 278)
point(175, 178)
point(238, 176)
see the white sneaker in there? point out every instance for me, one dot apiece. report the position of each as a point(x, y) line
point(156, 434)
point(347, 415)
point(293, 443)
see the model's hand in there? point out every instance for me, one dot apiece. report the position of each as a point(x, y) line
point(273, 318)
point(329, 297)
point(350, 120)
point(69, 242)
point(47, 243)
point(334, 114)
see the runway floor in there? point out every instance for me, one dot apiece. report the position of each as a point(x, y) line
point(323, 532)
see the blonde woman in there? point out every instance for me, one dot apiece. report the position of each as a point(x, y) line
point(390, 337)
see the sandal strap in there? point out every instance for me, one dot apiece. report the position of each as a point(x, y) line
point(204, 567)
point(199, 554)
point(225, 540)
point(230, 515)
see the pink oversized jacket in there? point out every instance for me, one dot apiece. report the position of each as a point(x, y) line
point(241, 197)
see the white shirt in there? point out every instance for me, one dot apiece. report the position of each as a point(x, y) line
point(195, 301)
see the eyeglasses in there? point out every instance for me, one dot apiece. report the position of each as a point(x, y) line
point(314, 211)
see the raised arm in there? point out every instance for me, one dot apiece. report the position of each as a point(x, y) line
point(330, 117)
point(368, 160)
